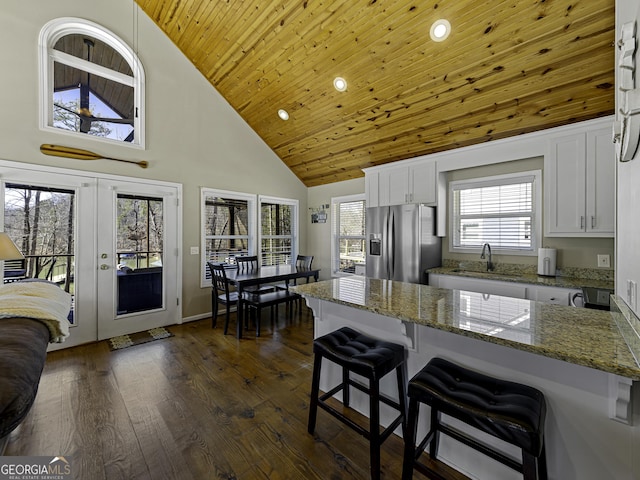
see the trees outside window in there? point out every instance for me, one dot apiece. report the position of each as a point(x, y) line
point(91, 82)
point(41, 223)
point(278, 230)
point(228, 226)
point(140, 231)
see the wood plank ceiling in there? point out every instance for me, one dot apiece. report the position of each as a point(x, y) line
point(508, 67)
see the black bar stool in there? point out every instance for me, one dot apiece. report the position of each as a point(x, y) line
point(372, 359)
point(509, 411)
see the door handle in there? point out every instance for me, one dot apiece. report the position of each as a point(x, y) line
point(104, 266)
point(593, 221)
point(581, 222)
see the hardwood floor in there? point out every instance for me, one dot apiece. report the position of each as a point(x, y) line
point(199, 405)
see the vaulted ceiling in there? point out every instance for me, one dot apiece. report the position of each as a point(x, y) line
point(507, 68)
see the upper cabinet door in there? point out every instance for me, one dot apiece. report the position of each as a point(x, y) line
point(565, 185)
point(579, 183)
point(372, 189)
point(422, 180)
point(398, 184)
point(601, 168)
point(406, 184)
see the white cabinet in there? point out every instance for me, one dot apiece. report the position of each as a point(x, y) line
point(579, 185)
point(372, 189)
point(414, 183)
point(537, 293)
point(555, 295)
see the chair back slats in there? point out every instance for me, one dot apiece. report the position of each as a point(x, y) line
point(219, 278)
point(304, 261)
point(247, 263)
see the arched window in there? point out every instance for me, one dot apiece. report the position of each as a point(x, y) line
point(91, 83)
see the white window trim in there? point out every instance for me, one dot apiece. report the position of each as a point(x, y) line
point(49, 35)
point(536, 227)
point(294, 203)
point(335, 254)
point(251, 219)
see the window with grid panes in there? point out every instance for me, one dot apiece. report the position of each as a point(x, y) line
point(92, 83)
point(348, 228)
point(501, 211)
point(278, 230)
point(228, 220)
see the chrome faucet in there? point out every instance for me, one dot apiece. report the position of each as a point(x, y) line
point(485, 247)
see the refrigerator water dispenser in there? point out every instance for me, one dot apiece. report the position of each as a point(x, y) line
point(375, 244)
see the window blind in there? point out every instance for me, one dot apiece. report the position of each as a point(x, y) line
point(349, 235)
point(278, 231)
point(499, 212)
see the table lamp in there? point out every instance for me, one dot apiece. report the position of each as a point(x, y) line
point(8, 251)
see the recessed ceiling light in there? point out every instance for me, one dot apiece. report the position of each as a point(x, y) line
point(340, 84)
point(283, 114)
point(440, 30)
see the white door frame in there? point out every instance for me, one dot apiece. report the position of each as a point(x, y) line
point(110, 323)
point(85, 185)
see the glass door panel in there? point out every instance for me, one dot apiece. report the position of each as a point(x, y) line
point(139, 253)
point(51, 218)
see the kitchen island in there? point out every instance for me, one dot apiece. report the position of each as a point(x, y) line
point(576, 357)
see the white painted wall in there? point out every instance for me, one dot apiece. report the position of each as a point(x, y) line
point(193, 137)
point(319, 234)
point(628, 200)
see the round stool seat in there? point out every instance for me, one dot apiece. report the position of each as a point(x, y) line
point(359, 353)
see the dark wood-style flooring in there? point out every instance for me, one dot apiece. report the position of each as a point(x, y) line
point(199, 405)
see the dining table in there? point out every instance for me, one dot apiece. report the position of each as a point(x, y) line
point(263, 275)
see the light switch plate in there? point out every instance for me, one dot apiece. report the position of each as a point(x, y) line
point(195, 250)
point(604, 261)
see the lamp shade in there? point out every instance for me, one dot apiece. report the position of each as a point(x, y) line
point(8, 249)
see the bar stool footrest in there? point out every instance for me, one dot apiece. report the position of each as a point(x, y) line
point(347, 421)
point(477, 445)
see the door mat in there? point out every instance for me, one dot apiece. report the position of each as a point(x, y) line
point(124, 341)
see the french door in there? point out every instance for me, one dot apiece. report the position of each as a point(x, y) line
point(137, 257)
point(111, 242)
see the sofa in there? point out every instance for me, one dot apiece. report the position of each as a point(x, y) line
point(31, 316)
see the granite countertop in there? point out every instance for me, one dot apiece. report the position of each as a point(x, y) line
point(580, 336)
point(568, 278)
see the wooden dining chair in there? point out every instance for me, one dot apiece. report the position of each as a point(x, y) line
point(255, 303)
point(220, 294)
point(302, 261)
point(247, 264)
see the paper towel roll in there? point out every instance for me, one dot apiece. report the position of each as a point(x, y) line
point(547, 262)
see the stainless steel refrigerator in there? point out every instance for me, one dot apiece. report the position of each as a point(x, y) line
point(401, 242)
